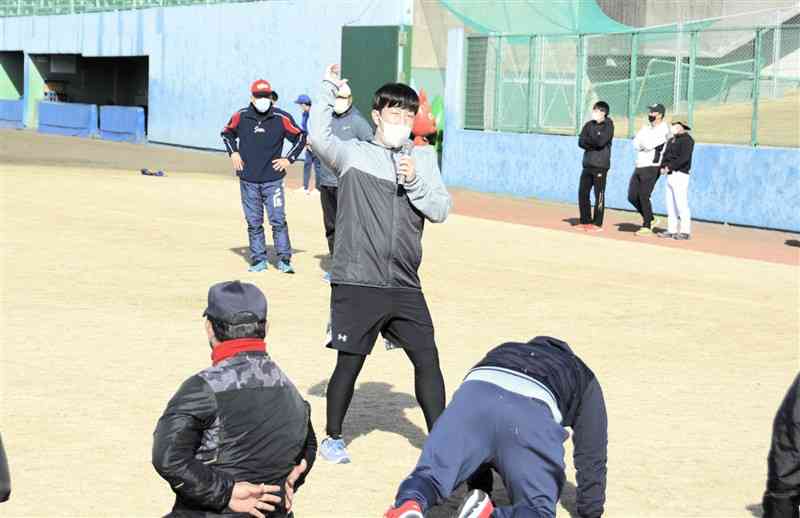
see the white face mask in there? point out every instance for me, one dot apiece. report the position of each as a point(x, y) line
point(341, 105)
point(262, 104)
point(394, 134)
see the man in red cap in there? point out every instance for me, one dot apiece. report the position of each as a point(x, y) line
point(254, 139)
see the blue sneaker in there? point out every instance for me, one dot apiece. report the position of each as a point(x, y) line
point(285, 266)
point(333, 450)
point(258, 267)
point(327, 277)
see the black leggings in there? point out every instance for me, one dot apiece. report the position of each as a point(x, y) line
point(428, 386)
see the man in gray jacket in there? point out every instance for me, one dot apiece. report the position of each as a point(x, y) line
point(347, 124)
point(387, 189)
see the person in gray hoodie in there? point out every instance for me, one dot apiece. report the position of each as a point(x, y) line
point(347, 123)
point(387, 189)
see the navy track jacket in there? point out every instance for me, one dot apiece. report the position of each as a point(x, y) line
point(580, 401)
point(258, 138)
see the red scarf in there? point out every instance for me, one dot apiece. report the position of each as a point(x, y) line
point(230, 348)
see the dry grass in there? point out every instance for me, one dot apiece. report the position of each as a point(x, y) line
point(104, 276)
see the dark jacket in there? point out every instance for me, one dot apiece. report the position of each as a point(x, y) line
point(258, 138)
point(379, 224)
point(580, 401)
point(678, 154)
point(239, 420)
point(347, 126)
point(783, 464)
point(596, 140)
point(5, 478)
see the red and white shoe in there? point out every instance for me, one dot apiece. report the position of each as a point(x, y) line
point(409, 509)
point(476, 504)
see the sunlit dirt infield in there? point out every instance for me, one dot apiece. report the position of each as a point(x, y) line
point(104, 279)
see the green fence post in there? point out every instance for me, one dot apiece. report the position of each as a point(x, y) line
point(632, 84)
point(692, 62)
point(756, 86)
point(530, 85)
point(498, 80)
point(579, 73)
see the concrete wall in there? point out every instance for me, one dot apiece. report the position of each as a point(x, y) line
point(202, 59)
point(641, 13)
point(735, 184)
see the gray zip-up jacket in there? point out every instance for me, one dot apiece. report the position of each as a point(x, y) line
point(347, 126)
point(378, 223)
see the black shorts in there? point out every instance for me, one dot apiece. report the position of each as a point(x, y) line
point(359, 314)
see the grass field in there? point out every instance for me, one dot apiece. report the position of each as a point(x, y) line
point(779, 122)
point(105, 274)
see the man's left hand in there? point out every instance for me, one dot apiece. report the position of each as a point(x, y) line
point(252, 499)
point(280, 164)
point(290, 481)
point(407, 168)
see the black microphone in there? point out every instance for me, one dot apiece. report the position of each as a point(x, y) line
point(405, 150)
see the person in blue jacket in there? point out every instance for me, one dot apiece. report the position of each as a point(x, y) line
point(310, 159)
point(254, 139)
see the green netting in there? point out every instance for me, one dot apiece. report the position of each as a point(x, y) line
point(533, 16)
point(734, 86)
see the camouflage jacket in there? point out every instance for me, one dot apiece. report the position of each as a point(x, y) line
point(239, 420)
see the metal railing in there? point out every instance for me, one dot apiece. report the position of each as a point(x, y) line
point(732, 85)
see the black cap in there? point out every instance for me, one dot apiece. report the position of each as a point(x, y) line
point(685, 126)
point(657, 108)
point(236, 302)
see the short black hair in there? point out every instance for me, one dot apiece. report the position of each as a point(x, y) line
point(224, 331)
point(602, 106)
point(396, 95)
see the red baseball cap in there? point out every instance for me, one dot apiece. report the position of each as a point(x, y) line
point(261, 88)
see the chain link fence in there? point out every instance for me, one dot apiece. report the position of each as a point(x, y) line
point(732, 85)
point(56, 7)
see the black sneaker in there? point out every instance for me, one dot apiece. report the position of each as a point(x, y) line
point(667, 235)
point(683, 237)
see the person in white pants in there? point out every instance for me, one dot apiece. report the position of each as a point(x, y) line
point(676, 165)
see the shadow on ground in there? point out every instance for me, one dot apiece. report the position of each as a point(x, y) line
point(272, 256)
point(572, 221)
point(628, 227)
point(376, 406)
point(500, 498)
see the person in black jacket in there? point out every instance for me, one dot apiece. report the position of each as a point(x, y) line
point(510, 412)
point(595, 139)
point(782, 498)
point(676, 164)
point(237, 436)
point(5, 477)
point(254, 139)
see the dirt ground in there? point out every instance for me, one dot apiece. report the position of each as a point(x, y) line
point(105, 274)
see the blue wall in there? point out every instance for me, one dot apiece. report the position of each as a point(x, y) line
point(122, 123)
point(70, 119)
point(734, 184)
point(203, 58)
point(742, 185)
point(11, 114)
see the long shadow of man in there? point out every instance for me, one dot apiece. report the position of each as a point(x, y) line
point(376, 406)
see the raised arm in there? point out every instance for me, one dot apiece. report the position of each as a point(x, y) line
point(327, 146)
point(426, 191)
